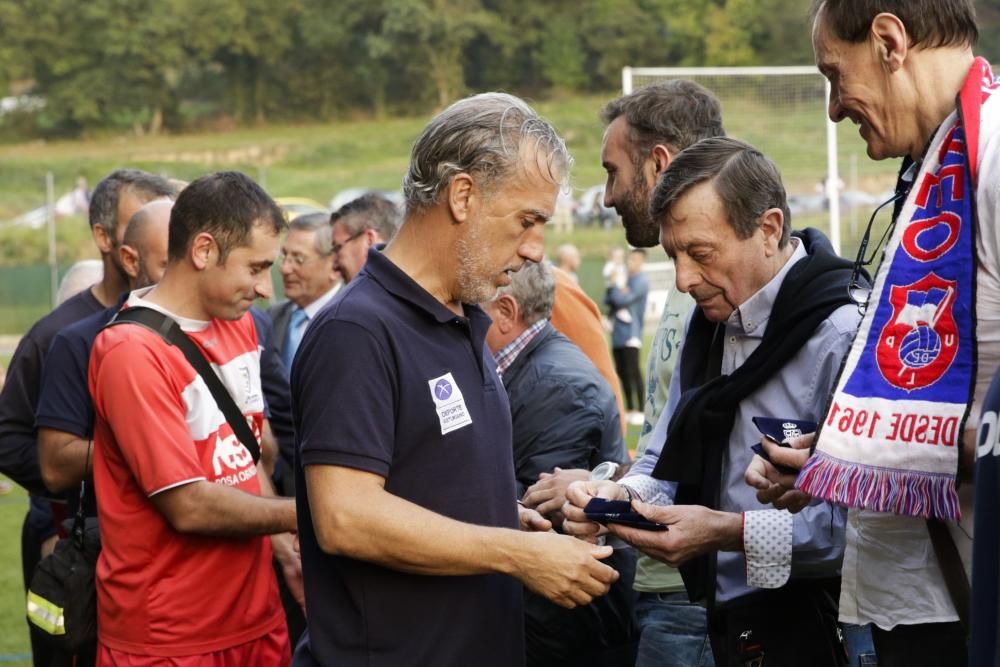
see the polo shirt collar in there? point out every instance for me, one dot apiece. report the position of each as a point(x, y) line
point(398, 283)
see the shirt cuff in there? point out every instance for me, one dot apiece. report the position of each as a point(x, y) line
point(767, 545)
point(648, 489)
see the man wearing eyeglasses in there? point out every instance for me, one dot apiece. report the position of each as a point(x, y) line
point(309, 278)
point(357, 226)
point(906, 75)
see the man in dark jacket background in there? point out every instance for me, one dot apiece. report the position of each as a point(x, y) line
point(564, 415)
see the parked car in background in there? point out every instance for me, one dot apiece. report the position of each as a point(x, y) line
point(590, 209)
point(293, 207)
point(350, 194)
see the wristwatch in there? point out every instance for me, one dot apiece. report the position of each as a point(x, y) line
point(604, 471)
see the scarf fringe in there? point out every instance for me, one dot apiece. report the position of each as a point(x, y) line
point(906, 492)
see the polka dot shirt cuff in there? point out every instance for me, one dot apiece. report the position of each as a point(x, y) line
point(647, 489)
point(767, 544)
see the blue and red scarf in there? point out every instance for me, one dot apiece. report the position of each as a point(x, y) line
point(892, 435)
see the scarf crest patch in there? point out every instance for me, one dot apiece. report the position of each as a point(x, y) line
point(891, 438)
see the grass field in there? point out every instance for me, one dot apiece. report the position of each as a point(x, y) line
point(14, 648)
point(319, 160)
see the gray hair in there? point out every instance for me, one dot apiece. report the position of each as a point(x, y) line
point(533, 287)
point(318, 223)
point(481, 135)
point(80, 276)
point(369, 211)
point(746, 182)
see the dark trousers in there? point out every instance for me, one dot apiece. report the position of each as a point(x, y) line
point(790, 626)
point(925, 644)
point(600, 634)
point(627, 367)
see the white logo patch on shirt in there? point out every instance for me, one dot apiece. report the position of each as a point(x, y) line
point(449, 403)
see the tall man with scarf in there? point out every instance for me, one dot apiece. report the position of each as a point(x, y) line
point(770, 330)
point(930, 338)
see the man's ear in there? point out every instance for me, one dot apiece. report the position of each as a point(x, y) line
point(102, 239)
point(506, 311)
point(204, 251)
point(129, 259)
point(462, 194)
point(662, 158)
point(772, 223)
point(890, 40)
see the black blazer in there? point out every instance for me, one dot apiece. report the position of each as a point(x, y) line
point(280, 314)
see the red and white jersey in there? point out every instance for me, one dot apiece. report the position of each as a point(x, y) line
point(157, 427)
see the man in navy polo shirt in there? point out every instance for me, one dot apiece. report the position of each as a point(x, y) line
point(405, 481)
point(65, 414)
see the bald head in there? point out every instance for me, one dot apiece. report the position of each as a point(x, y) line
point(146, 221)
point(143, 252)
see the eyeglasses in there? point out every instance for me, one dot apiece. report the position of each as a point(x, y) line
point(337, 247)
point(295, 258)
point(858, 290)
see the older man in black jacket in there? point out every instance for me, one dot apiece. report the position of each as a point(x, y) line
point(564, 415)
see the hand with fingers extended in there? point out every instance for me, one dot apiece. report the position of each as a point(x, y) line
point(548, 494)
point(578, 494)
point(692, 530)
point(777, 487)
point(565, 570)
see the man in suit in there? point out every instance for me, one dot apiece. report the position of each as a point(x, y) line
point(357, 226)
point(309, 277)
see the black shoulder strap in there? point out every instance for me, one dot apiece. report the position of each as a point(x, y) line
point(169, 330)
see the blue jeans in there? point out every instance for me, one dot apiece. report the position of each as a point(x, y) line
point(674, 632)
point(860, 645)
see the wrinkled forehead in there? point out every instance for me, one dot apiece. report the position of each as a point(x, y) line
point(300, 238)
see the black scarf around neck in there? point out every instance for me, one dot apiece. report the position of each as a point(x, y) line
point(699, 430)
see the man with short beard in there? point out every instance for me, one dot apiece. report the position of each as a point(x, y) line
point(405, 484)
point(65, 418)
point(646, 130)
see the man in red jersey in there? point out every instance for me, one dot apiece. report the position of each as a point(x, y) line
point(185, 571)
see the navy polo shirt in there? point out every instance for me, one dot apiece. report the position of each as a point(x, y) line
point(64, 401)
point(376, 387)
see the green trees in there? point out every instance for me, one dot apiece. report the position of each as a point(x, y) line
point(146, 65)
